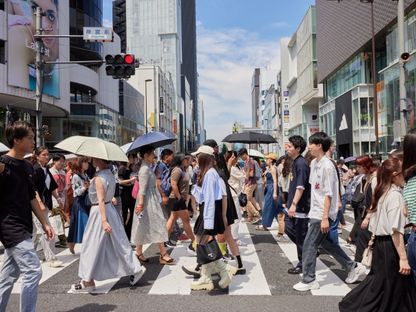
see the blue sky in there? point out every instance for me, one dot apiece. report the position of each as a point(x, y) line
point(233, 38)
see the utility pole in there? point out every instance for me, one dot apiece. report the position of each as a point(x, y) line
point(402, 77)
point(39, 76)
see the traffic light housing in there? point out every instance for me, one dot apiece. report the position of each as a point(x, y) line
point(120, 65)
point(404, 57)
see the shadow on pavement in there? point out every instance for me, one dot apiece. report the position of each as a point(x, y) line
point(93, 307)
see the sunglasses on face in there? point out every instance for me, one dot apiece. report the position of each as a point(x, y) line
point(50, 14)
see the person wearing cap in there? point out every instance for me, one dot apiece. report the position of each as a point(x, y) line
point(209, 195)
point(250, 186)
point(212, 143)
point(270, 209)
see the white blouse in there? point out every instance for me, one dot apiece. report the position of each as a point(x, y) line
point(389, 213)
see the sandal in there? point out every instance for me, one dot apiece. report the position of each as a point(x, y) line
point(261, 228)
point(163, 261)
point(142, 258)
point(80, 288)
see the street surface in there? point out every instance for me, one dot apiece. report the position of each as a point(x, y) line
point(266, 287)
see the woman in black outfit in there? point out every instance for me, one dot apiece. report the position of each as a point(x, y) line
point(127, 176)
point(389, 286)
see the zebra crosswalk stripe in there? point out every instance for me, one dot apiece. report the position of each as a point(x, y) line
point(330, 283)
point(172, 280)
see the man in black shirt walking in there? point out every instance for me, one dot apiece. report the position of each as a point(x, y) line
point(17, 201)
point(298, 202)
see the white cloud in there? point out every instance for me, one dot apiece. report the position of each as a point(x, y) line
point(226, 62)
point(279, 25)
point(107, 22)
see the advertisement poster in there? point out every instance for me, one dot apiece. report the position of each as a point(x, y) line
point(21, 44)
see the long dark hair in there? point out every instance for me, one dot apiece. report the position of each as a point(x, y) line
point(177, 160)
point(222, 166)
point(409, 155)
point(384, 179)
point(287, 166)
point(205, 163)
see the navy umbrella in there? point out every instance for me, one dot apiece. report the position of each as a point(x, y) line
point(155, 139)
point(249, 137)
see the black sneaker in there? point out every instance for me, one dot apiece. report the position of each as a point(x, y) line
point(170, 244)
point(191, 248)
point(194, 271)
point(240, 271)
point(295, 270)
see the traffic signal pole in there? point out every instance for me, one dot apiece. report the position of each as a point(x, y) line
point(39, 76)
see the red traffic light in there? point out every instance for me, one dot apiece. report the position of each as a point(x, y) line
point(129, 59)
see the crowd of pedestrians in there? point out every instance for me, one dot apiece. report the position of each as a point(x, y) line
point(114, 209)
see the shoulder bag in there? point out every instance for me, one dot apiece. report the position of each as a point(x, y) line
point(368, 252)
point(208, 252)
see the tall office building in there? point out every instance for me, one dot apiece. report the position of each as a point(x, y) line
point(255, 98)
point(189, 63)
point(119, 22)
point(154, 35)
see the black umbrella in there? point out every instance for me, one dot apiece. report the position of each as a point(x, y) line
point(249, 137)
point(156, 139)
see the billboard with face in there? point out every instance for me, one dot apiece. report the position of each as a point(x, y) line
point(21, 44)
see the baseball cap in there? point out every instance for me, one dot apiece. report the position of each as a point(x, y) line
point(204, 149)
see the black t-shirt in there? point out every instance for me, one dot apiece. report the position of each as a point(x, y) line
point(299, 177)
point(124, 173)
point(16, 192)
point(39, 181)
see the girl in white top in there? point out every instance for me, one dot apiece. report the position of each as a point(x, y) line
point(389, 285)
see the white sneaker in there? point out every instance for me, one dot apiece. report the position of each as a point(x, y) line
point(355, 274)
point(136, 277)
point(301, 286)
point(55, 263)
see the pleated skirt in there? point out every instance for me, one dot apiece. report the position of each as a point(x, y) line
point(106, 255)
point(79, 220)
point(384, 289)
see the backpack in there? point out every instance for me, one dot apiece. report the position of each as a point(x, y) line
point(257, 171)
point(165, 181)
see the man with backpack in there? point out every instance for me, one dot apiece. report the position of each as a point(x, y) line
point(163, 175)
point(250, 186)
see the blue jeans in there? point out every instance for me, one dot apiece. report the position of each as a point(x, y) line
point(313, 239)
point(411, 253)
point(21, 259)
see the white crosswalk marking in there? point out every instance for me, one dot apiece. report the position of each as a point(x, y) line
point(330, 284)
point(254, 282)
point(171, 280)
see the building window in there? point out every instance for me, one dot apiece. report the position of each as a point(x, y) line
point(2, 52)
point(1, 5)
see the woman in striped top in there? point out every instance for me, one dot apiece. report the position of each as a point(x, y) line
point(409, 193)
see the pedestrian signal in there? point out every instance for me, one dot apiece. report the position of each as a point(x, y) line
point(120, 65)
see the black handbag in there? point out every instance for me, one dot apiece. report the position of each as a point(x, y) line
point(242, 199)
point(208, 252)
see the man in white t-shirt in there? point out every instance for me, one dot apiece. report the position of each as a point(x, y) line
point(323, 212)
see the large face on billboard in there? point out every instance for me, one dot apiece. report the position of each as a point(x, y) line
point(21, 44)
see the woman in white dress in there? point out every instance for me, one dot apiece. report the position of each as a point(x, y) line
point(149, 223)
point(106, 252)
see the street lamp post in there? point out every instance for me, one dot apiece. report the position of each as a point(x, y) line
point(145, 100)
